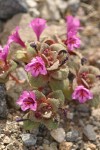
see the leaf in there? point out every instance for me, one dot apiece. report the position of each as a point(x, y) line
point(31, 50)
point(58, 95)
point(50, 124)
point(39, 95)
point(20, 55)
point(44, 46)
point(61, 85)
point(54, 66)
point(37, 82)
point(55, 103)
point(29, 125)
point(60, 74)
point(95, 102)
point(57, 47)
point(74, 64)
point(13, 66)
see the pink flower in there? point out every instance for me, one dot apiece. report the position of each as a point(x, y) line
point(72, 41)
point(36, 67)
point(82, 94)
point(27, 101)
point(73, 24)
point(3, 55)
point(38, 25)
point(16, 38)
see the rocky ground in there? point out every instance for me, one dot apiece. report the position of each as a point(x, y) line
point(82, 130)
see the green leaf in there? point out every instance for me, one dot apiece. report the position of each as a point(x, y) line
point(60, 74)
point(74, 64)
point(29, 125)
point(39, 95)
point(55, 103)
point(57, 47)
point(37, 82)
point(57, 95)
point(50, 124)
point(95, 102)
point(61, 85)
point(21, 55)
point(31, 51)
point(54, 66)
point(13, 66)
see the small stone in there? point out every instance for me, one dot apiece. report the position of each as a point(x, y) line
point(65, 146)
point(53, 146)
point(70, 115)
point(6, 140)
point(96, 113)
point(12, 7)
point(58, 134)
point(45, 141)
point(83, 108)
point(31, 3)
point(92, 146)
point(73, 6)
point(29, 139)
point(3, 105)
point(46, 147)
point(89, 132)
point(72, 136)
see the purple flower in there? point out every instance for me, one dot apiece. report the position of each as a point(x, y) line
point(36, 67)
point(16, 38)
point(27, 101)
point(82, 94)
point(73, 24)
point(38, 25)
point(3, 55)
point(72, 41)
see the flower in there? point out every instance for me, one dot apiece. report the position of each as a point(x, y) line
point(82, 94)
point(16, 38)
point(3, 55)
point(36, 67)
point(72, 41)
point(73, 24)
point(27, 101)
point(38, 25)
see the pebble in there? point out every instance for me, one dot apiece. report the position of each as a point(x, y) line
point(92, 146)
point(65, 146)
point(53, 146)
point(89, 132)
point(70, 115)
point(6, 140)
point(28, 139)
point(72, 136)
point(58, 134)
point(46, 147)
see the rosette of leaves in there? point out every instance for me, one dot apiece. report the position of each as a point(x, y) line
point(6, 71)
point(47, 110)
point(88, 76)
point(26, 54)
point(55, 58)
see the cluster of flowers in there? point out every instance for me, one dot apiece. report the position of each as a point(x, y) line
point(56, 71)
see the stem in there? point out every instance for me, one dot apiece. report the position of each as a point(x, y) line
point(14, 78)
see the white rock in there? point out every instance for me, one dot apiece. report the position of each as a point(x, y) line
point(31, 3)
point(89, 132)
point(29, 139)
point(58, 134)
